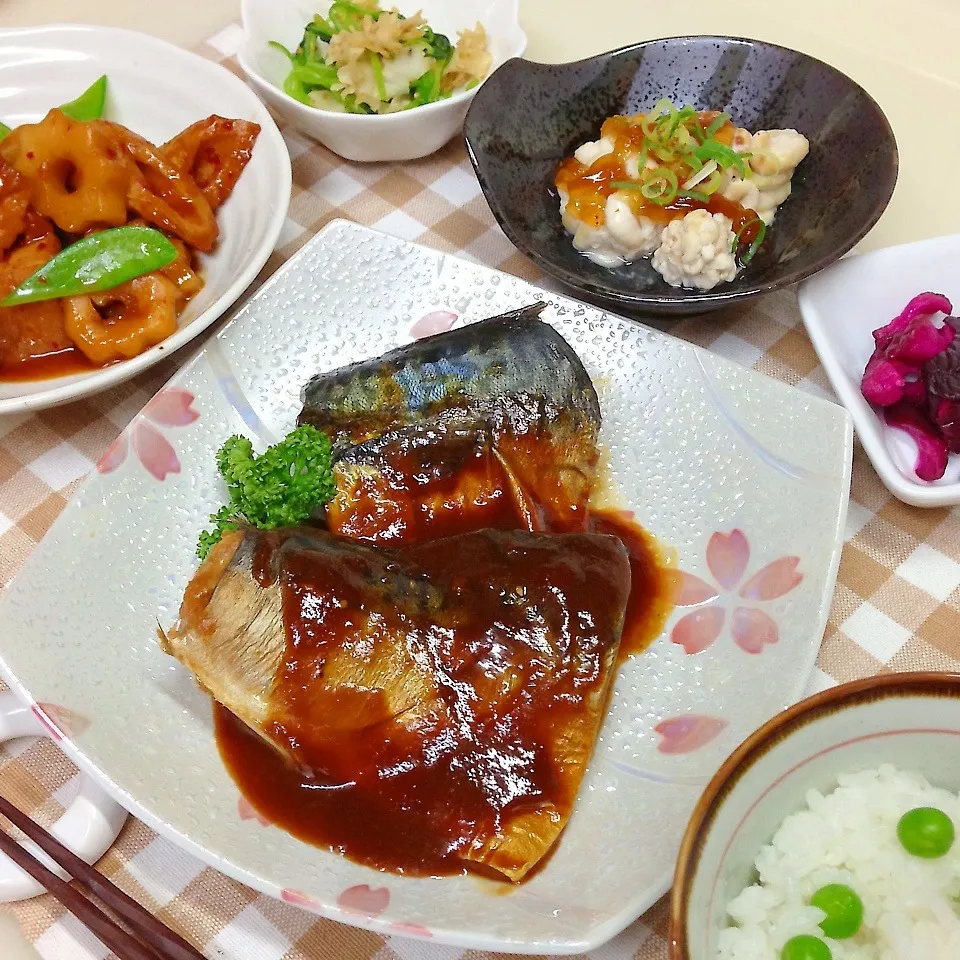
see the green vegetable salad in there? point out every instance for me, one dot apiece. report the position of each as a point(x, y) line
point(360, 58)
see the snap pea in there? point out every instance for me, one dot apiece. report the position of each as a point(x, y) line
point(89, 105)
point(100, 261)
point(4, 130)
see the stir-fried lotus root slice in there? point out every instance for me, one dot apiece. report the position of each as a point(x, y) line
point(14, 200)
point(33, 329)
point(181, 272)
point(164, 196)
point(182, 275)
point(121, 323)
point(214, 152)
point(78, 177)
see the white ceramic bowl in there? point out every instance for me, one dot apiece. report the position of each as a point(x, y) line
point(911, 720)
point(155, 89)
point(841, 308)
point(397, 136)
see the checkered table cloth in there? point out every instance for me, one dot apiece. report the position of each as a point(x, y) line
point(896, 607)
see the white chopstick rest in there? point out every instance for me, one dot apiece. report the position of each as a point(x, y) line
point(89, 825)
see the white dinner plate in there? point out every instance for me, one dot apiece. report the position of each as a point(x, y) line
point(841, 307)
point(155, 89)
point(744, 478)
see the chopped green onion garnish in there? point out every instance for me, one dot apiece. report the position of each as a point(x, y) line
point(660, 186)
point(661, 107)
point(725, 157)
point(696, 128)
point(757, 241)
point(664, 152)
point(642, 159)
point(694, 195)
point(718, 121)
point(712, 183)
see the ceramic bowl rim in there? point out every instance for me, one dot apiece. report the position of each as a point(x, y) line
point(758, 745)
point(245, 59)
point(678, 300)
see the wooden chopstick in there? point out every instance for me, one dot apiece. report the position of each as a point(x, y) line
point(156, 941)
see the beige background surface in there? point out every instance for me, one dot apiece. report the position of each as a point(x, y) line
point(902, 51)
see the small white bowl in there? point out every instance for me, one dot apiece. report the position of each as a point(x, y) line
point(407, 135)
point(156, 89)
point(841, 308)
point(911, 720)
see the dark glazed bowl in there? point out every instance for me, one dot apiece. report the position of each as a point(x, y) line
point(528, 116)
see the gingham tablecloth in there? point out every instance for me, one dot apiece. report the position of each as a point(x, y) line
point(896, 607)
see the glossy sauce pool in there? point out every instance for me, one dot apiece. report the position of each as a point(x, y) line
point(62, 363)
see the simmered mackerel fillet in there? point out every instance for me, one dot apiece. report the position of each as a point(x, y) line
point(494, 424)
point(441, 700)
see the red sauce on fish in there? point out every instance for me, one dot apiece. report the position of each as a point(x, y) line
point(653, 584)
point(415, 499)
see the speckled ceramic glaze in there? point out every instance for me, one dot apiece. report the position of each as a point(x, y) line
point(528, 116)
point(702, 451)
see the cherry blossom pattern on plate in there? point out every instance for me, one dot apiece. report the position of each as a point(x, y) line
point(752, 628)
point(430, 324)
point(364, 900)
point(60, 722)
point(171, 407)
point(360, 900)
point(302, 900)
point(247, 811)
point(688, 733)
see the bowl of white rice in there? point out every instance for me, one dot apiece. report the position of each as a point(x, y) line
point(831, 833)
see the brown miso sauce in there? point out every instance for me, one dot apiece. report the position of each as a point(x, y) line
point(652, 585)
point(409, 775)
point(418, 820)
point(414, 499)
point(464, 482)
